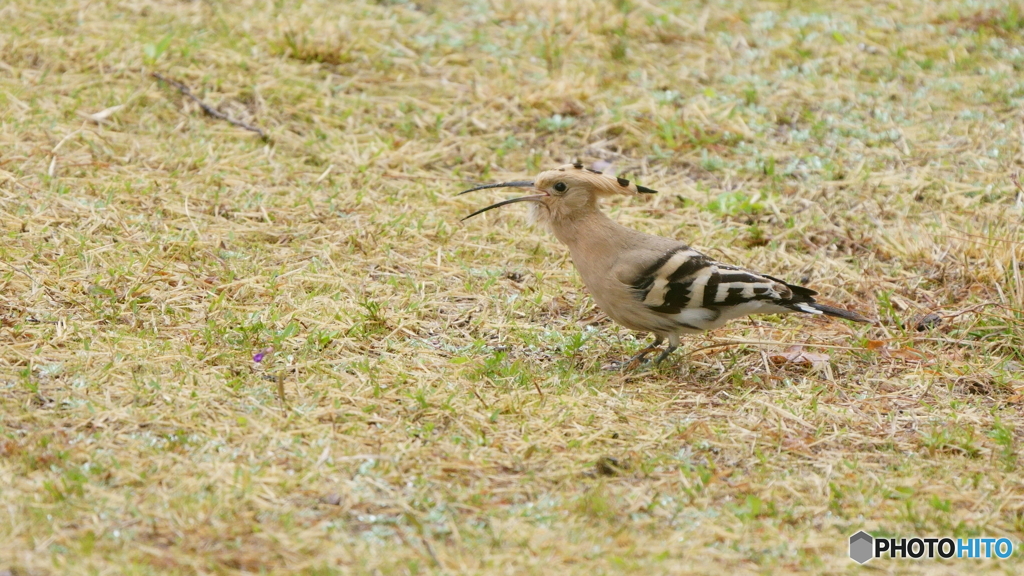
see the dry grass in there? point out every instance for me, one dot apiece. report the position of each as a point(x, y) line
point(435, 400)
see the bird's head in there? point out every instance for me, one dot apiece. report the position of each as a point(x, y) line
point(564, 192)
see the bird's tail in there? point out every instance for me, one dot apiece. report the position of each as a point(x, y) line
point(802, 300)
point(838, 312)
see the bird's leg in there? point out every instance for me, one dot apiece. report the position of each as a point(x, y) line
point(639, 358)
point(673, 343)
point(661, 357)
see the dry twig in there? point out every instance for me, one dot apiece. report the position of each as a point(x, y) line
point(209, 109)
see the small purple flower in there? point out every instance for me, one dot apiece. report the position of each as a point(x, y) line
point(262, 354)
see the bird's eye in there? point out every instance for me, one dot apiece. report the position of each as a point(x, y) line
point(560, 187)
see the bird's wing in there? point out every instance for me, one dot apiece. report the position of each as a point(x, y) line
point(702, 294)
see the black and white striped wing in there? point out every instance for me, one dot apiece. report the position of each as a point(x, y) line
point(701, 294)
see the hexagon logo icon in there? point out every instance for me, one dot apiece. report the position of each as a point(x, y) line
point(862, 547)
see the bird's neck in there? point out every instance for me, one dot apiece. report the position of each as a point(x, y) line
point(591, 235)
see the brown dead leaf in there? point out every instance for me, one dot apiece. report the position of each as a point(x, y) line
point(573, 107)
point(558, 306)
point(879, 346)
point(904, 353)
point(800, 357)
point(594, 318)
point(910, 354)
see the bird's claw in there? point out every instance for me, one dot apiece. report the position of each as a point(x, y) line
point(634, 364)
point(638, 360)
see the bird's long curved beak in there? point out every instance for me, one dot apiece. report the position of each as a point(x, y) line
point(534, 198)
point(513, 184)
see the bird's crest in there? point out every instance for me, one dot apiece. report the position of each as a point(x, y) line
point(602, 184)
point(560, 180)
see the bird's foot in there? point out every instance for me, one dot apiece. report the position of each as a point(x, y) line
point(638, 360)
point(661, 357)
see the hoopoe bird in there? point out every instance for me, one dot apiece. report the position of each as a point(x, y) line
point(644, 282)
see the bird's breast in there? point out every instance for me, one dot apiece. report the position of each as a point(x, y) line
point(616, 299)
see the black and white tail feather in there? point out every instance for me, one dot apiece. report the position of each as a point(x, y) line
point(701, 294)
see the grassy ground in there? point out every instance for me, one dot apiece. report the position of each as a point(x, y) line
point(434, 400)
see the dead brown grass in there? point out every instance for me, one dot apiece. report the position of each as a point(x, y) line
point(434, 401)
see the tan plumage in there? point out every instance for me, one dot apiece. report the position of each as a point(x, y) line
point(645, 282)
